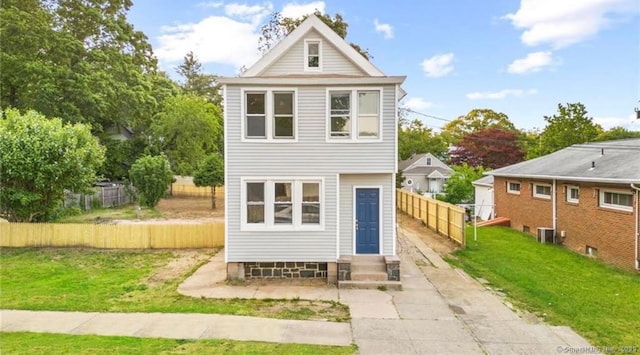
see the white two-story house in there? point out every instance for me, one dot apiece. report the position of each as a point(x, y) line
point(310, 159)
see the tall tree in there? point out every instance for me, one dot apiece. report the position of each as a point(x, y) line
point(415, 138)
point(459, 187)
point(489, 148)
point(80, 60)
point(186, 130)
point(40, 157)
point(569, 126)
point(210, 173)
point(279, 27)
point(474, 121)
point(196, 82)
point(617, 133)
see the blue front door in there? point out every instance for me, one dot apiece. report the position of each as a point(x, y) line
point(367, 223)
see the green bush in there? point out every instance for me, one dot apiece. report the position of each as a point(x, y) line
point(151, 177)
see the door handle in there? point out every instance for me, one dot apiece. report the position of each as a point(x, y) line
point(357, 225)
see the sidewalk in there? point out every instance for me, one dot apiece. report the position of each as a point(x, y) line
point(439, 310)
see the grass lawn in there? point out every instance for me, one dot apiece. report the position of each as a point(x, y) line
point(125, 281)
point(37, 343)
point(562, 287)
point(106, 214)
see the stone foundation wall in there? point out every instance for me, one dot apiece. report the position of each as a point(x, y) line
point(285, 270)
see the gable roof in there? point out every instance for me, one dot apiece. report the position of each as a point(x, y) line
point(484, 181)
point(312, 22)
point(430, 171)
point(406, 164)
point(608, 162)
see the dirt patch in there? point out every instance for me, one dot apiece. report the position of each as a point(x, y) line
point(440, 244)
point(183, 261)
point(190, 208)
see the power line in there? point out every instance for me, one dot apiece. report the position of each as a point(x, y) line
point(425, 115)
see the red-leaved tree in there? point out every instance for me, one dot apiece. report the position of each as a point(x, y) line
point(489, 148)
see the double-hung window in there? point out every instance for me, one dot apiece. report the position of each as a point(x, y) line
point(282, 204)
point(616, 200)
point(354, 114)
point(513, 187)
point(573, 194)
point(270, 115)
point(312, 55)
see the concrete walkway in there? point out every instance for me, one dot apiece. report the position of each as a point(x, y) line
point(439, 310)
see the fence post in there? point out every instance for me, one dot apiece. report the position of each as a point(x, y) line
point(420, 209)
point(449, 222)
point(437, 217)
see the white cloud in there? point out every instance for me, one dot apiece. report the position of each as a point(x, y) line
point(255, 13)
point(295, 10)
point(566, 22)
point(630, 122)
point(498, 95)
point(533, 62)
point(438, 65)
point(417, 104)
point(384, 28)
point(215, 39)
point(210, 4)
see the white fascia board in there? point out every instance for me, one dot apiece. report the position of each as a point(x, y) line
point(312, 80)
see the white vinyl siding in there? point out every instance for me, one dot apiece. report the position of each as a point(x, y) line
point(331, 60)
point(617, 200)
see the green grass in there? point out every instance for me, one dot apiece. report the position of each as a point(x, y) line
point(106, 214)
point(36, 343)
point(562, 287)
point(118, 281)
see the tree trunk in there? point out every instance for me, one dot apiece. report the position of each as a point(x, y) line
point(213, 197)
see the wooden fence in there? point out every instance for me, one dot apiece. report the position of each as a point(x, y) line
point(190, 190)
point(116, 236)
point(442, 217)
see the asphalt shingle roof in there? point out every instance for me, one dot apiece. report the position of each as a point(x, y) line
point(611, 161)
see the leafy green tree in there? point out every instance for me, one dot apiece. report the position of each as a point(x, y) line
point(475, 120)
point(210, 173)
point(41, 157)
point(569, 126)
point(187, 129)
point(151, 176)
point(459, 187)
point(196, 82)
point(617, 133)
point(279, 27)
point(415, 138)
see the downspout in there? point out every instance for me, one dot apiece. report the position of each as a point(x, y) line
point(554, 208)
point(636, 223)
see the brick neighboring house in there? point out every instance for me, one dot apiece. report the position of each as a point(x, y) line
point(586, 194)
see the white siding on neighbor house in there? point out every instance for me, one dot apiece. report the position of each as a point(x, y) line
point(333, 62)
point(311, 156)
point(347, 183)
point(483, 202)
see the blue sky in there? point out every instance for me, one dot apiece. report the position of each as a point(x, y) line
point(517, 57)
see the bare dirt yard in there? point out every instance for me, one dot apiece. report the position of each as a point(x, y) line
point(183, 210)
point(440, 244)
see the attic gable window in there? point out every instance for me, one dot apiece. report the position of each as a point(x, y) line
point(312, 55)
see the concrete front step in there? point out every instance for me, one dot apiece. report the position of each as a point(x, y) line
point(368, 268)
point(381, 285)
point(369, 276)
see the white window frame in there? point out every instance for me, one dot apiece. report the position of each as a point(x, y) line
point(572, 188)
point(353, 115)
point(307, 68)
point(269, 114)
point(514, 192)
point(269, 201)
point(612, 206)
point(539, 195)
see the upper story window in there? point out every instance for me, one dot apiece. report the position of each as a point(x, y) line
point(542, 191)
point(354, 114)
point(269, 115)
point(312, 55)
point(428, 161)
point(573, 194)
point(616, 200)
point(513, 187)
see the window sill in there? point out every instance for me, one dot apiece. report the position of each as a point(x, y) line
point(269, 140)
point(264, 228)
point(616, 210)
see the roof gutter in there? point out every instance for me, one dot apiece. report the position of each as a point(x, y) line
point(637, 236)
point(572, 178)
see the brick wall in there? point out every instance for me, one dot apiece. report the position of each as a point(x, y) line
point(610, 232)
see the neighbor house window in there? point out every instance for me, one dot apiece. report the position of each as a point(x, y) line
point(270, 115)
point(354, 114)
point(542, 191)
point(616, 200)
point(312, 55)
point(255, 202)
point(428, 161)
point(513, 187)
point(283, 204)
point(573, 194)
